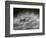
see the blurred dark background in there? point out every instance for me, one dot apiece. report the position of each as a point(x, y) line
point(17, 11)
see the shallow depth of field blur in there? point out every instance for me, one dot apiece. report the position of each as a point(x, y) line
point(25, 19)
